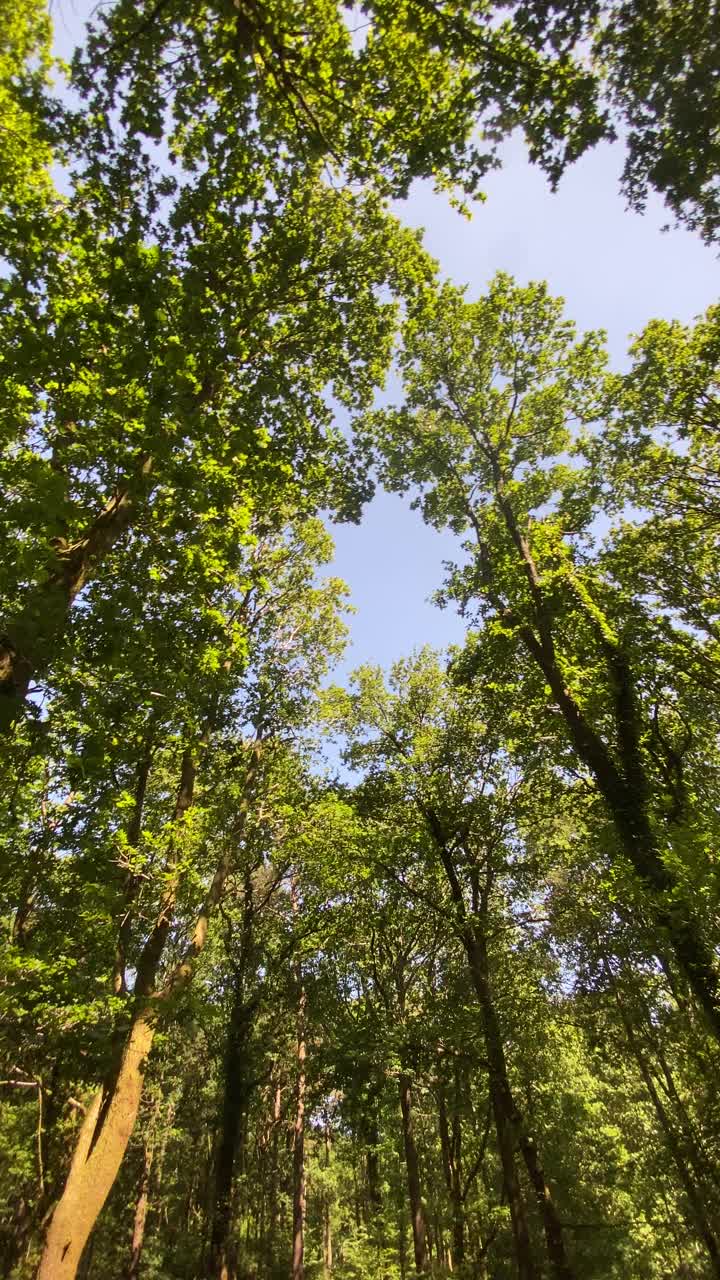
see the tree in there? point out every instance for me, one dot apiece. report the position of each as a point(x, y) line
point(493, 389)
point(181, 870)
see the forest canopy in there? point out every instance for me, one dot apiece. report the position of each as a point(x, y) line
point(416, 973)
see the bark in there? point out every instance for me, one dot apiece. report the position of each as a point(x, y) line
point(110, 1120)
point(273, 1205)
point(141, 1211)
point(370, 1135)
point(327, 1214)
point(372, 1166)
point(696, 1198)
point(505, 1114)
point(402, 1244)
point(509, 1124)
point(32, 638)
point(451, 1147)
point(298, 1252)
point(622, 781)
point(132, 881)
point(412, 1165)
point(104, 1136)
point(237, 1088)
point(451, 1143)
point(511, 1128)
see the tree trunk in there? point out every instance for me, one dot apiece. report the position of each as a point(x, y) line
point(371, 1141)
point(327, 1213)
point(132, 881)
point(695, 1197)
point(621, 778)
point(412, 1164)
point(509, 1125)
point(552, 1226)
point(103, 1140)
point(273, 1206)
point(501, 1101)
point(514, 1133)
point(402, 1243)
point(451, 1146)
point(32, 638)
point(223, 1263)
point(141, 1211)
point(110, 1120)
point(298, 1250)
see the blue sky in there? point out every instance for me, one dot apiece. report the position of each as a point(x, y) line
point(615, 269)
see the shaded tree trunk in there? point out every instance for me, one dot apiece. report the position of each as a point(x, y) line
point(273, 1206)
point(509, 1120)
point(412, 1165)
point(327, 1214)
point(222, 1263)
point(298, 1248)
point(503, 1108)
point(510, 1128)
point(451, 1145)
point(141, 1212)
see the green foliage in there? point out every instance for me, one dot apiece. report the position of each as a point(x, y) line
point(436, 991)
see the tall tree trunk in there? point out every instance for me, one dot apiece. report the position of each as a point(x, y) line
point(327, 1212)
point(451, 1146)
point(509, 1124)
point(508, 1117)
point(501, 1100)
point(371, 1142)
point(298, 1248)
point(372, 1167)
point(412, 1165)
point(223, 1264)
point(402, 1242)
point(273, 1205)
point(103, 1140)
point(141, 1211)
point(132, 881)
point(621, 778)
point(696, 1198)
point(110, 1120)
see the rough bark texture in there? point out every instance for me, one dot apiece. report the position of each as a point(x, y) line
point(412, 1165)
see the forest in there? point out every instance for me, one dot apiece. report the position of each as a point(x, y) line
point(414, 972)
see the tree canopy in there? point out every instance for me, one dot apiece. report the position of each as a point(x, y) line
point(418, 973)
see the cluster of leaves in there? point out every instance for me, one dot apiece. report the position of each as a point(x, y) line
point(467, 1007)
